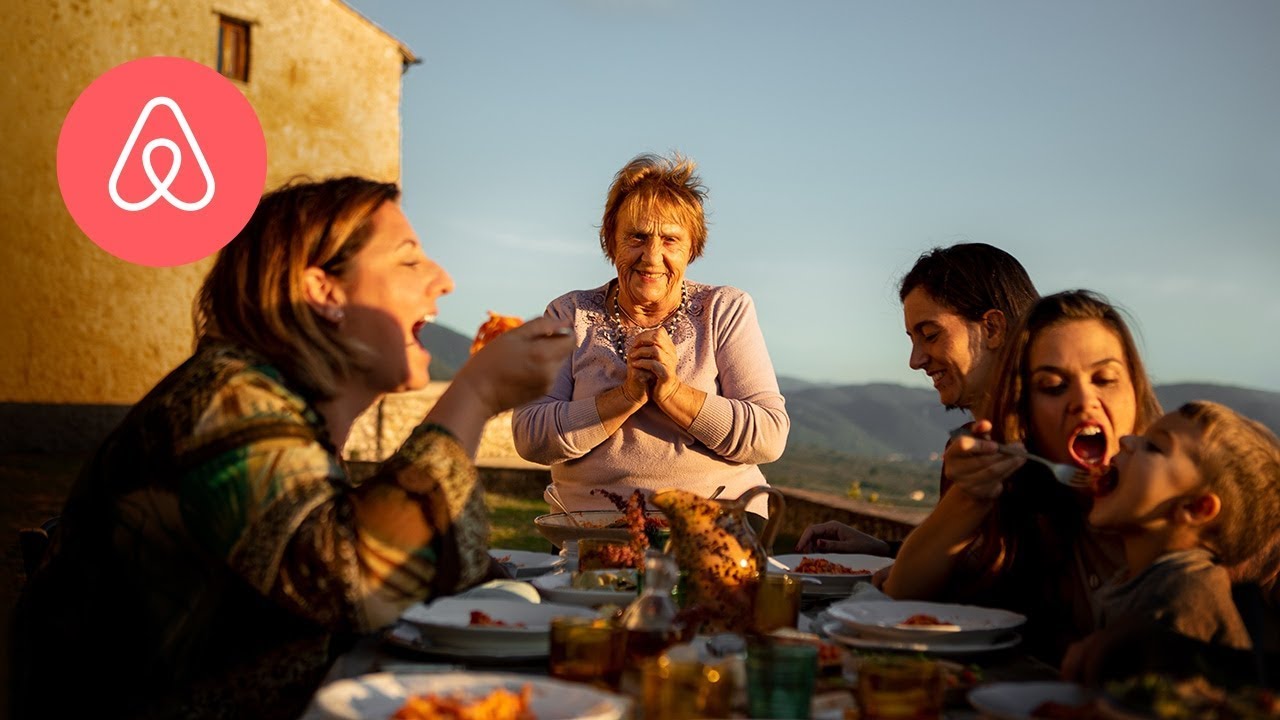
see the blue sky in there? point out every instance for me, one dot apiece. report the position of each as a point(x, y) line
point(1128, 147)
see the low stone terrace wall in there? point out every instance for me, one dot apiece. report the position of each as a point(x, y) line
point(382, 429)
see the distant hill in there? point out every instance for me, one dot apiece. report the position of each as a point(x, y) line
point(878, 420)
point(893, 421)
point(882, 421)
point(1261, 405)
point(449, 349)
point(883, 438)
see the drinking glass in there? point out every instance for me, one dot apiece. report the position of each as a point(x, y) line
point(587, 650)
point(900, 687)
point(780, 677)
point(683, 689)
point(777, 602)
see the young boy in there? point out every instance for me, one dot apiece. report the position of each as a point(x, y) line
point(1199, 491)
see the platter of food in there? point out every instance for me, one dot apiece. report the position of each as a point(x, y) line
point(487, 624)
point(830, 573)
point(1032, 700)
point(557, 528)
point(1151, 695)
point(842, 634)
point(589, 589)
point(915, 621)
point(497, 696)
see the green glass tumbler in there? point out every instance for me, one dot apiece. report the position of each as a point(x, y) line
point(780, 677)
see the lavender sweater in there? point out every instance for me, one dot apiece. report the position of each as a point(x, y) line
point(720, 350)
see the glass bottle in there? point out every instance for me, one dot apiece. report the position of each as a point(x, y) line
point(650, 620)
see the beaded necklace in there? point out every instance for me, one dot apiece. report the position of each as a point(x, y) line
point(619, 333)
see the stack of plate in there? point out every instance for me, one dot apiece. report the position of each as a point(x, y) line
point(556, 588)
point(830, 585)
point(443, 627)
point(524, 564)
point(961, 629)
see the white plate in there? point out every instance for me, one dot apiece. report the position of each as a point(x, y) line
point(379, 695)
point(1016, 700)
point(446, 622)
point(555, 588)
point(832, 583)
point(410, 637)
point(963, 623)
point(527, 564)
point(840, 633)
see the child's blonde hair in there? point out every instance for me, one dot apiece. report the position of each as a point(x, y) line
point(1239, 460)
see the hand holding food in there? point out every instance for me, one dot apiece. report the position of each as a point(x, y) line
point(823, 566)
point(492, 328)
point(517, 366)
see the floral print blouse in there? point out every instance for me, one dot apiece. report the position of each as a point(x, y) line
point(209, 561)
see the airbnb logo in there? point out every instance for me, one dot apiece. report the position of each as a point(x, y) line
point(161, 186)
point(161, 129)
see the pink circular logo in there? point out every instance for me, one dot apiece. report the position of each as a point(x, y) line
point(161, 161)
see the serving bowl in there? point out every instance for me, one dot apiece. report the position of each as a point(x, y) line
point(603, 524)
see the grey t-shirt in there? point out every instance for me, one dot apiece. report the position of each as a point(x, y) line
point(1184, 591)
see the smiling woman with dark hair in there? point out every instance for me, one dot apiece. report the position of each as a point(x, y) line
point(958, 304)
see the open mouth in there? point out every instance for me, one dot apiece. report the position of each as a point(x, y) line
point(418, 327)
point(1088, 447)
point(1105, 483)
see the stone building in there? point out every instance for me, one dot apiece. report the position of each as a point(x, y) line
point(84, 335)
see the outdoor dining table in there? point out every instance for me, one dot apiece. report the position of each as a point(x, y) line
point(373, 654)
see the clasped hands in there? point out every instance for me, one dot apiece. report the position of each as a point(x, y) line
point(651, 368)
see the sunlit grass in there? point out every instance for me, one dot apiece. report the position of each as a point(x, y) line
point(511, 522)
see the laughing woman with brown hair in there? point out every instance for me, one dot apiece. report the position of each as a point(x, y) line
point(214, 556)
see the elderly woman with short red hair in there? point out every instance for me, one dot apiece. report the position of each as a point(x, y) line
point(671, 384)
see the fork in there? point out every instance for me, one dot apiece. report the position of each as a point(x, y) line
point(1068, 475)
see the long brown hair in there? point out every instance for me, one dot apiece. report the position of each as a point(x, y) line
point(253, 295)
point(1009, 543)
point(1010, 408)
point(669, 186)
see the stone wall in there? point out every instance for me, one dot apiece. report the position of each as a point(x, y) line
point(81, 328)
point(378, 433)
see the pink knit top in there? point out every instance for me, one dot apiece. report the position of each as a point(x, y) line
point(720, 351)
